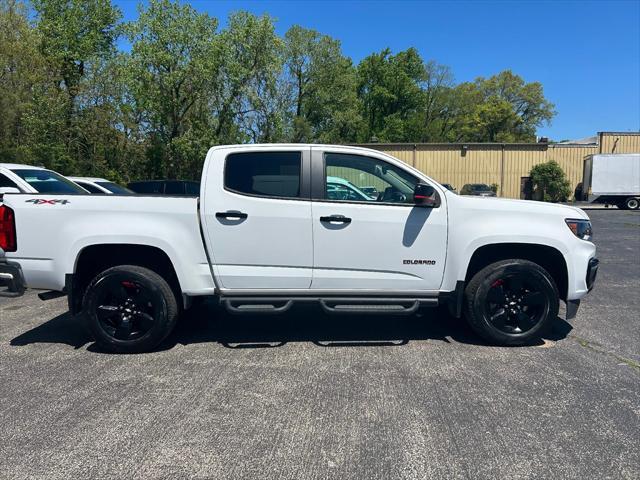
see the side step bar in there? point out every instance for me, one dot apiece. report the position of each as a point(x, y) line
point(335, 305)
point(256, 305)
point(405, 306)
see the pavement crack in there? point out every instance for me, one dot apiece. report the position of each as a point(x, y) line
point(597, 347)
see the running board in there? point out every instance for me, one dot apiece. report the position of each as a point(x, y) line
point(256, 305)
point(335, 305)
point(405, 306)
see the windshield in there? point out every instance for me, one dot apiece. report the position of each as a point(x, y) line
point(115, 188)
point(46, 181)
point(480, 187)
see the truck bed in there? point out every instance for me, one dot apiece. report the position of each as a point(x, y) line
point(52, 230)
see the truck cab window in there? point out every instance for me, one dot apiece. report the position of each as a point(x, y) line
point(356, 178)
point(266, 174)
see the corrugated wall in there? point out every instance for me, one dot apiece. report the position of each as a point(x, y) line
point(619, 142)
point(455, 165)
point(517, 164)
point(505, 164)
point(571, 159)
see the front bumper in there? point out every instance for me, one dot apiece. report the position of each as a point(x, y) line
point(592, 272)
point(12, 282)
point(590, 279)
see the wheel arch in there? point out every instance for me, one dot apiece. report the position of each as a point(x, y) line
point(93, 259)
point(548, 257)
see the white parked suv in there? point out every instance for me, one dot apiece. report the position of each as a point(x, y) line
point(17, 178)
point(267, 232)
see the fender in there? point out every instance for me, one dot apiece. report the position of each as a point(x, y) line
point(479, 222)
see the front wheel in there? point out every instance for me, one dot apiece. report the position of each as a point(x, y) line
point(511, 302)
point(129, 309)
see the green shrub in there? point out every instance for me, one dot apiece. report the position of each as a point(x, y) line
point(550, 182)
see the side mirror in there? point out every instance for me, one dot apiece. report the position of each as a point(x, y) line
point(4, 190)
point(426, 196)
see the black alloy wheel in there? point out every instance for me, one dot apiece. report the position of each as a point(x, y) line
point(511, 302)
point(129, 309)
point(514, 305)
point(126, 309)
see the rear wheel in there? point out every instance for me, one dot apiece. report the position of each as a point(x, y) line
point(511, 302)
point(129, 309)
point(631, 203)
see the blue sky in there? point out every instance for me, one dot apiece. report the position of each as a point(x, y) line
point(586, 54)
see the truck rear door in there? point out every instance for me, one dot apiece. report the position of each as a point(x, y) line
point(256, 212)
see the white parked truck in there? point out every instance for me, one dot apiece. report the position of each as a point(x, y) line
point(613, 179)
point(267, 233)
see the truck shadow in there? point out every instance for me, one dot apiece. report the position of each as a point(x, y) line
point(208, 323)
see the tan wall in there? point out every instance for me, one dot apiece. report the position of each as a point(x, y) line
point(612, 142)
point(504, 165)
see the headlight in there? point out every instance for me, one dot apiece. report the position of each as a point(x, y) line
point(581, 228)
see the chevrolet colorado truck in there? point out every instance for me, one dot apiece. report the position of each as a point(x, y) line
point(267, 232)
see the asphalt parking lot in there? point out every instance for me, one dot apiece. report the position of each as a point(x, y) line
point(305, 396)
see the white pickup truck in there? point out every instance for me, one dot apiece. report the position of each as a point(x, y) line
point(268, 231)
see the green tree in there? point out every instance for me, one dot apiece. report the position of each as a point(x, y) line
point(502, 108)
point(71, 101)
point(245, 104)
point(113, 139)
point(74, 37)
point(74, 32)
point(390, 89)
point(321, 85)
point(22, 70)
point(550, 182)
point(170, 74)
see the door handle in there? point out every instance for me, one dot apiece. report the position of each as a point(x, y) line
point(336, 219)
point(232, 215)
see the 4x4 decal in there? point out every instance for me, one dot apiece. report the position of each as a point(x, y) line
point(44, 201)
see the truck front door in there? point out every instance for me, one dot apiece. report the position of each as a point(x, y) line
point(381, 242)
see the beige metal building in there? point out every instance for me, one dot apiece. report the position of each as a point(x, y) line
point(505, 164)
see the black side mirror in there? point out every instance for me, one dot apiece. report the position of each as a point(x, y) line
point(425, 196)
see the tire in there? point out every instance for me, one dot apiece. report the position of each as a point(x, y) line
point(631, 203)
point(529, 294)
point(129, 309)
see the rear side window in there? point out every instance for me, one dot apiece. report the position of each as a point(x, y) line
point(267, 174)
point(5, 182)
point(91, 188)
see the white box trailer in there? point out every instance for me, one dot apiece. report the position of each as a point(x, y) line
point(613, 179)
